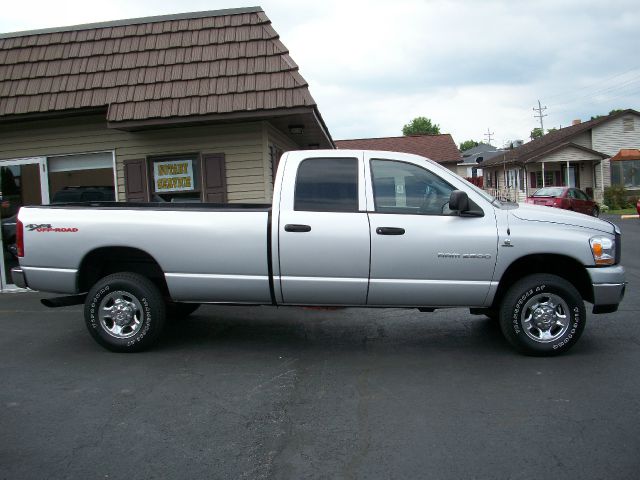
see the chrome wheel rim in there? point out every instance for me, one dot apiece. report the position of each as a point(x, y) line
point(545, 318)
point(121, 314)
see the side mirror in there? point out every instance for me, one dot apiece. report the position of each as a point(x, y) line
point(459, 201)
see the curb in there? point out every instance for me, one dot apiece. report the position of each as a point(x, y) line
point(627, 217)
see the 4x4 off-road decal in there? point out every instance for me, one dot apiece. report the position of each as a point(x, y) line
point(47, 227)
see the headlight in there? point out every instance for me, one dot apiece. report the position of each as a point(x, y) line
point(604, 250)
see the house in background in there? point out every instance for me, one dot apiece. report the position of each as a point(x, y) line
point(439, 148)
point(576, 156)
point(472, 159)
point(188, 107)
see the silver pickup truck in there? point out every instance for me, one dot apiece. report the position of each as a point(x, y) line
point(347, 228)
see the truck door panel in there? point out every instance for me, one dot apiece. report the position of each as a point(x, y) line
point(323, 235)
point(421, 253)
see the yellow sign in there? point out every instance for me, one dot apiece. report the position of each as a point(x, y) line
point(173, 176)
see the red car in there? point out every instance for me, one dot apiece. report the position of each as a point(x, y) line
point(565, 197)
point(638, 206)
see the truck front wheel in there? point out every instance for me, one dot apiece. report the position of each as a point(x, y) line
point(542, 314)
point(125, 312)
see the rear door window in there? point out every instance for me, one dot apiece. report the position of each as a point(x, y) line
point(327, 185)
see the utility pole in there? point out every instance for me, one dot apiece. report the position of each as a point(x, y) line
point(540, 115)
point(489, 134)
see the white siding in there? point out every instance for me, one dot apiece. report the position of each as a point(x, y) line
point(610, 137)
point(569, 154)
point(583, 139)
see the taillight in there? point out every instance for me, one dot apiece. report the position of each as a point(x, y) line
point(557, 202)
point(19, 239)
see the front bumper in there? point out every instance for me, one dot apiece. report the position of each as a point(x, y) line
point(609, 285)
point(17, 275)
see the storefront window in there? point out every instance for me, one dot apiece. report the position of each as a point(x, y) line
point(176, 178)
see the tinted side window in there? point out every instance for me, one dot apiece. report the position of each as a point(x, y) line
point(327, 185)
point(400, 187)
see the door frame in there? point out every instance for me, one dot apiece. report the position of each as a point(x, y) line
point(44, 194)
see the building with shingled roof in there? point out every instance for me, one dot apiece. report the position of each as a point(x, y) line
point(188, 107)
point(440, 148)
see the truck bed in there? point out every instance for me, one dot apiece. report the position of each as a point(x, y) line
point(208, 252)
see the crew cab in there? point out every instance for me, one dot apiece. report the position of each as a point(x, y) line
point(346, 228)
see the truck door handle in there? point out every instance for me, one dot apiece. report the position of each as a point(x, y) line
point(389, 231)
point(292, 227)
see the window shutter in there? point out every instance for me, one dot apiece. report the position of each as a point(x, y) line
point(532, 177)
point(558, 178)
point(135, 180)
point(214, 174)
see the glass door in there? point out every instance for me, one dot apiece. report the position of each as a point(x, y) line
point(22, 182)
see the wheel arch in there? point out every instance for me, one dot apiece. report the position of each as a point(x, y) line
point(561, 265)
point(103, 261)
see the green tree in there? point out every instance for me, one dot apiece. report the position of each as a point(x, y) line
point(421, 126)
point(616, 110)
point(536, 133)
point(552, 129)
point(466, 145)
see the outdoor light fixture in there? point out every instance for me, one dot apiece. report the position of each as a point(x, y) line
point(296, 129)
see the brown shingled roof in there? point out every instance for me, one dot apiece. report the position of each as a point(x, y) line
point(185, 65)
point(440, 148)
point(530, 151)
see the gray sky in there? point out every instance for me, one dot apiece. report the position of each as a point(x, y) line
point(468, 65)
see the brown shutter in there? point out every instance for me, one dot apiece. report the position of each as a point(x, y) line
point(214, 185)
point(532, 176)
point(135, 180)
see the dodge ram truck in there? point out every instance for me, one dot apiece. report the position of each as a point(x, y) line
point(346, 228)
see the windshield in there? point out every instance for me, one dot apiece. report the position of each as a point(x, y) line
point(549, 192)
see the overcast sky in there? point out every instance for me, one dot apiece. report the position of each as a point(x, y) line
point(468, 65)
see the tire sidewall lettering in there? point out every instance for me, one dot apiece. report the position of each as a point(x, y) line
point(574, 312)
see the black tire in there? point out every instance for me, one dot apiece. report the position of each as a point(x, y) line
point(177, 310)
point(139, 319)
point(595, 212)
point(530, 312)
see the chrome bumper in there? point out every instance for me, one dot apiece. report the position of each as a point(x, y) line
point(18, 277)
point(609, 285)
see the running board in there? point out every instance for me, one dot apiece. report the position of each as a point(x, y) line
point(64, 301)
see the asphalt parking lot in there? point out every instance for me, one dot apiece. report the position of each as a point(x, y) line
point(251, 393)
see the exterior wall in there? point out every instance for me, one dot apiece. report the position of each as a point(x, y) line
point(610, 137)
point(271, 137)
point(242, 145)
point(583, 139)
point(570, 154)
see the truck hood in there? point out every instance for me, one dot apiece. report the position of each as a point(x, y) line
point(539, 213)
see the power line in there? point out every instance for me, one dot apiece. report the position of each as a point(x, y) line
point(612, 88)
point(591, 85)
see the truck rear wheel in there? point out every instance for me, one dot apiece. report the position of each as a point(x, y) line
point(542, 315)
point(125, 312)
